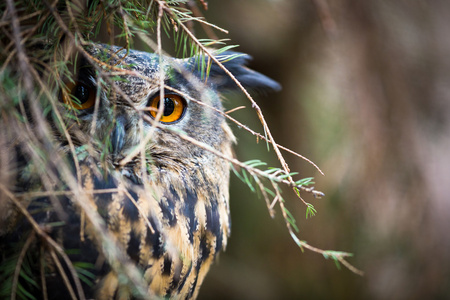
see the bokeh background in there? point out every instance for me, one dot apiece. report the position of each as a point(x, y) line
point(366, 95)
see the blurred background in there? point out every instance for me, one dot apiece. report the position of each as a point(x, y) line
point(366, 96)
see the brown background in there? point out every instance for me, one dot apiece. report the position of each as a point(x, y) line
point(366, 88)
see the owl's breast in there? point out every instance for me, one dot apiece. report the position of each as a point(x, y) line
point(172, 226)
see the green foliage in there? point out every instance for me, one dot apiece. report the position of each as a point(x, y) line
point(83, 272)
point(250, 174)
point(290, 218)
point(26, 281)
point(310, 211)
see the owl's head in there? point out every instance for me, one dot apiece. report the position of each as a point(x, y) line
point(123, 101)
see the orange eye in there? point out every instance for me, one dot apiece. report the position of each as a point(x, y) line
point(78, 95)
point(173, 110)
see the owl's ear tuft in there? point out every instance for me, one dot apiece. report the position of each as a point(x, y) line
point(236, 62)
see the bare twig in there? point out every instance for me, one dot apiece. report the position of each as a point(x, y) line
point(42, 271)
point(63, 274)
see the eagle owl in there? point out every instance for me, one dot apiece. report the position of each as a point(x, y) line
point(141, 176)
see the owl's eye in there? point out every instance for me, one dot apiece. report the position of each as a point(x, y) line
point(78, 95)
point(174, 107)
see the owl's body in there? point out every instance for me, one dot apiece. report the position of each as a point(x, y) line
point(164, 207)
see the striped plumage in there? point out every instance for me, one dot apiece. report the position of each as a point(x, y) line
point(170, 214)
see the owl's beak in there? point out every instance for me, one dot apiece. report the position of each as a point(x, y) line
point(118, 135)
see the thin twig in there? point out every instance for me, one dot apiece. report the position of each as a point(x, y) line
point(63, 274)
point(350, 266)
point(234, 109)
point(23, 251)
point(42, 271)
point(30, 195)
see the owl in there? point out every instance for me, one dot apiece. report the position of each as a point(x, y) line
point(135, 194)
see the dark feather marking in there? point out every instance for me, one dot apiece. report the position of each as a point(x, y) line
point(175, 279)
point(167, 266)
point(167, 210)
point(130, 210)
point(133, 177)
point(174, 193)
point(213, 217)
point(134, 246)
point(204, 252)
point(106, 182)
point(103, 199)
point(154, 239)
point(189, 212)
point(168, 207)
point(183, 281)
point(213, 223)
